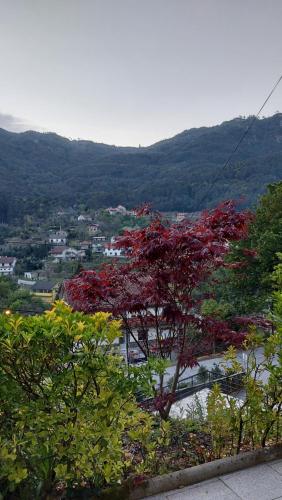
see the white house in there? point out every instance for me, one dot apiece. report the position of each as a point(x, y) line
point(131, 212)
point(118, 210)
point(26, 283)
point(7, 265)
point(191, 216)
point(93, 229)
point(98, 239)
point(84, 218)
point(85, 245)
point(180, 216)
point(30, 275)
point(66, 254)
point(58, 238)
point(111, 251)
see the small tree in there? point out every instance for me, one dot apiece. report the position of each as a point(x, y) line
point(158, 294)
point(249, 283)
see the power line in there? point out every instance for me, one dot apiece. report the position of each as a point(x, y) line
point(240, 141)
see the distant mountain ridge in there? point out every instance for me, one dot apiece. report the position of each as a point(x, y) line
point(42, 169)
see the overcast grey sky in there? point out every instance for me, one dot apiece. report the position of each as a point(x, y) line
point(136, 71)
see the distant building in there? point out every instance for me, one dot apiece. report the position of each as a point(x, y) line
point(98, 239)
point(191, 216)
point(93, 229)
point(62, 253)
point(84, 218)
point(7, 265)
point(30, 275)
point(54, 252)
point(85, 245)
point(45, 290)
point(180, 216)
point(97, 248)
point(130, 228)
point(58, 238)
point(111, 251)
point(118, 210)
point(27, 284)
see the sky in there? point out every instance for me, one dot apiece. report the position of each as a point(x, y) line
point(130, 72)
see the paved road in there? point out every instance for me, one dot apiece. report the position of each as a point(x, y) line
point(262, 482)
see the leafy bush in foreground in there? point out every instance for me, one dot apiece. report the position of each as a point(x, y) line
point(255, 420)
point(66, 402)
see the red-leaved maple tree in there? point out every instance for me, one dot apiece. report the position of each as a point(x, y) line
point(157, 293)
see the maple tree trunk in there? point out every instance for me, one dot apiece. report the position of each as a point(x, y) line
point(165, 412)
point(161, 383)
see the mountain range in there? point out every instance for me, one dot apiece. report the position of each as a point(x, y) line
point(42, 170)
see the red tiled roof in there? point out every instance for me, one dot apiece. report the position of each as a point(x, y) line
point(58, 250)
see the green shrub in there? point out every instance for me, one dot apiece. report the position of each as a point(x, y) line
point(66, 402)
point(202, 374)
point(255, 420)
point(216, 371)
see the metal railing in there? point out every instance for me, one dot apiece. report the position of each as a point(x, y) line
point(190, 385)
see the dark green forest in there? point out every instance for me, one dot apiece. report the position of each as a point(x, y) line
point(43, 170)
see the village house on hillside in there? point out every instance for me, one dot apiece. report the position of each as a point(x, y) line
point(7, 265)
point(85, 245)
point(93, 229)
point(63, 253)
point(118, 210)
point(131, 212)
point(84, 218)
point(180, 216)
point(58, 238)
point(111, 251)
point(30, 275)
point(45, 290)
point(98, 244)
point(25, 284)
point(98, 239)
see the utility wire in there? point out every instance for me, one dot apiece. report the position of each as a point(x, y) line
point(239, 142)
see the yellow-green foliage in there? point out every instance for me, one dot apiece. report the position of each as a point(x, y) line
point(257, 418)
point(277, 273)
point(220, 412)
point(211, 307)
point(66, 402)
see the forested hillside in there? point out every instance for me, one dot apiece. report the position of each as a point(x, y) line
point(38, 170)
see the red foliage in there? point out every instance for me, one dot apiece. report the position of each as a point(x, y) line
point(257, 321)
point(158, 288)
point(145, 209)
point(162, 399)
point(248, 252)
